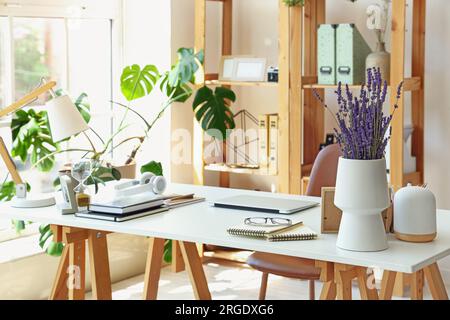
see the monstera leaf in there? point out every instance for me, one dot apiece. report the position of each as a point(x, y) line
point(212, 109)
point(188, 64)
point(153, 167)
point(136, 83)
point(46, 242)
point(31, 136)
point(180, 93)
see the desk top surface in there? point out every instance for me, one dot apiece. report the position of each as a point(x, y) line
point(203, 223)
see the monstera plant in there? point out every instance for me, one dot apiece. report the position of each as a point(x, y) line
point(211, 108)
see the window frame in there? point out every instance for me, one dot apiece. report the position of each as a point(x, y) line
point(64, 9)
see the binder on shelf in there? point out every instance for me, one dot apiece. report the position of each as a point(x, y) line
point(273, 143)
point(263, 143)
point(351, 54)
point(326, 50)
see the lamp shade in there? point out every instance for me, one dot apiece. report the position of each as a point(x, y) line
point(64, 118)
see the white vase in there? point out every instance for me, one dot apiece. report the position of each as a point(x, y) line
point(362, 194)
point(380, 59)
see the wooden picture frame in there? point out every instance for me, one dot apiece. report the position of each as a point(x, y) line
point(331, 215)
point(227, 67)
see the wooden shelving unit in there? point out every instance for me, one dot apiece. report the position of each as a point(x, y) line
point(301, 119)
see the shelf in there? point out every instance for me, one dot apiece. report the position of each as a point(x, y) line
point(241, 83)
point(410, 84)
point(223, 168)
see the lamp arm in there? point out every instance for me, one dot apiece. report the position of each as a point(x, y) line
point(27, 99)
point(9, 163)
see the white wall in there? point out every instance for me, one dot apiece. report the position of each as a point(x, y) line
point(146, 40)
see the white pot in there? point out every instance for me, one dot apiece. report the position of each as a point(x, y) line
point(362, 194)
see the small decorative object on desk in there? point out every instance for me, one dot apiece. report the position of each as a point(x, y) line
point(362, 191)
point(377, 20)
point(415, 214)
point(81, 171)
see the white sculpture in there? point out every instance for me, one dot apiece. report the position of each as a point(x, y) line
point(377, 18)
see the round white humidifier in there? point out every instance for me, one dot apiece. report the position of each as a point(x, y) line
point(415, 214)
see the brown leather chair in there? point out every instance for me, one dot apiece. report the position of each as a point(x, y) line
point(323, 174)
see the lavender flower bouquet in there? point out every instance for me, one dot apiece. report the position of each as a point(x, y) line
point(363, 129)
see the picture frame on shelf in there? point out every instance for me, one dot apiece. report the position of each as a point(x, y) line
point(242, 68)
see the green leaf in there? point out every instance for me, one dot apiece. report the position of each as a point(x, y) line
point(168, 251)
point(7, 191)
point(46, 242)
point(32, 138)
point(293, 3)
point(136, 83)
point(212, 110)
point(153, 167)
point(180, 93)
point(19, 225)
point(84, 107)
point(186, 67)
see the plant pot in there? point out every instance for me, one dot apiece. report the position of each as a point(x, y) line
point(127, 171)
point(380, 59)
point(362, 194)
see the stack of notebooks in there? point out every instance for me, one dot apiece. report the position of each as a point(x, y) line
point(124, 209)
point(295, 232)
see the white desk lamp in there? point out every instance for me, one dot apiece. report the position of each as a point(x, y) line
point(65, 121)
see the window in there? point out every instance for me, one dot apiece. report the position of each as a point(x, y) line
point(67, 43)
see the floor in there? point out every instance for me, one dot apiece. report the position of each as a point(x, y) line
point(227, 281)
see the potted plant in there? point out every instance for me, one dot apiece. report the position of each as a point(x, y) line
point(32, 139)
point(363, 132)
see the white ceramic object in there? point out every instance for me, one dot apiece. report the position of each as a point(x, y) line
point(362, 194)
point(34, 200)
point(415, 214)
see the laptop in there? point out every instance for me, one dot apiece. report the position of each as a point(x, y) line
point(264, 204)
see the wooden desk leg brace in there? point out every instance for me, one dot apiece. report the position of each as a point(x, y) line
point(337, 279)
point(430, 273)
point(70, 277)
point(193, 264)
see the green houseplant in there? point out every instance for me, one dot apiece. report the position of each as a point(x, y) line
point(32, 139)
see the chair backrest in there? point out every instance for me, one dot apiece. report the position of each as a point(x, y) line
point(324, 170)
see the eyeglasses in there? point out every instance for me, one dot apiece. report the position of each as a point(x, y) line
point(267, 222)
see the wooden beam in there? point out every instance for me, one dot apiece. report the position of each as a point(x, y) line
point(77, 270)
point(27, 99)
point(99, 265)
point(435, 282)
point(314, 123)
point(153, 268)
point(418, 96)
point(9, 163)
point(227, 43)
point(397, 76)
point(284, 133)
point(295, 100)
point(177, 258)
point(387, 285)
point(59, 289)
point(197, 145)
point(417, 282)
point(195, 270)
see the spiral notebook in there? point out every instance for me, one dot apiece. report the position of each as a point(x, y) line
point(295, 232)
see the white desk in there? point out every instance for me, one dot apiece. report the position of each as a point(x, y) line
point(202, 223)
